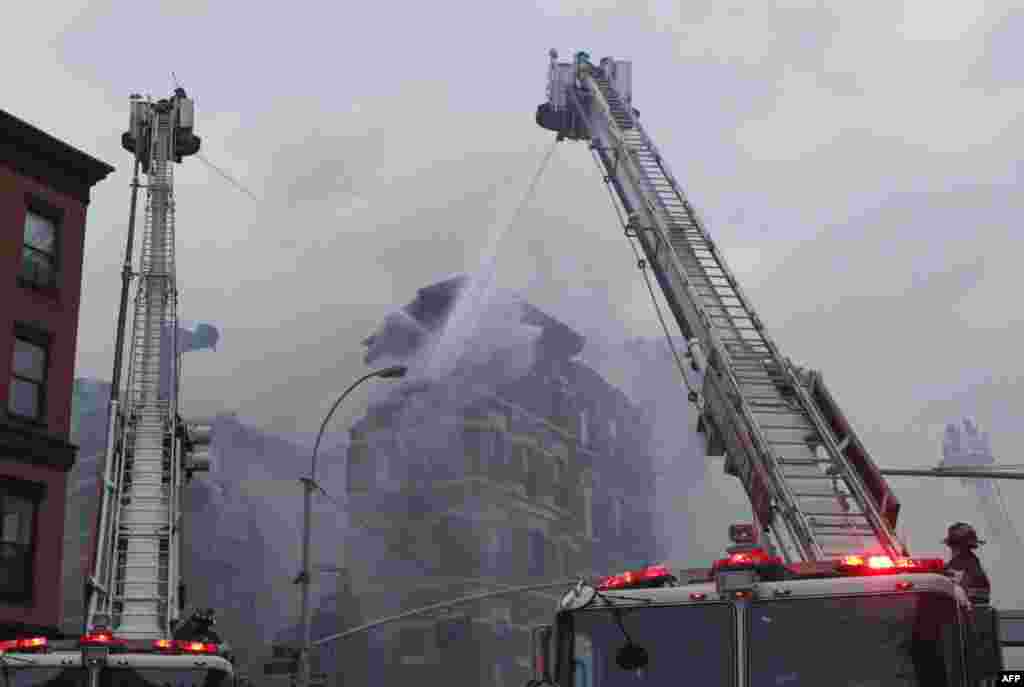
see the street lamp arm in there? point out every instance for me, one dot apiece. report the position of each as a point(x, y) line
point(323, 425)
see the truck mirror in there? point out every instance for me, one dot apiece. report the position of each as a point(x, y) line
point(541, 640)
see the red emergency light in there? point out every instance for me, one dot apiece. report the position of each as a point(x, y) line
point(648, 576)
point(885, 565)
point(747, 559)
point(100, 638)
point(24, 644)
point(195, 647)
point(185, 646)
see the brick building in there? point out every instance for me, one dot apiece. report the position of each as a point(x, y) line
point(44, 192)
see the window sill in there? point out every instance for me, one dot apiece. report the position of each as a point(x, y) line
point(51, 291)
point(16, 599)
point(30, 423)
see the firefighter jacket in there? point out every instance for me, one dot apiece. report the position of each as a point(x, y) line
point(966, 569)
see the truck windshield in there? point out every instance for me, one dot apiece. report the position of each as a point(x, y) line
point(881, 641)
point(692, 642)
point(113, 677)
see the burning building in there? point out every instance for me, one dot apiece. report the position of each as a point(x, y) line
point(518, 465)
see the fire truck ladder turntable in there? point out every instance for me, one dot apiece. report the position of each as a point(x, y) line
point(811, 482)
point(136, 563)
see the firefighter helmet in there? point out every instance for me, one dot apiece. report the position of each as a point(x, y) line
point(962, 534)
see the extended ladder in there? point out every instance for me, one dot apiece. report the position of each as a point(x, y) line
point(137, 548)
point(808, 477)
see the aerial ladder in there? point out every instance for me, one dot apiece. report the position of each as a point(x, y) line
point(134, 589)
point(815, 492)
point(134, 597)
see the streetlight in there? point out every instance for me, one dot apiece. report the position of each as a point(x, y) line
point(310, 484)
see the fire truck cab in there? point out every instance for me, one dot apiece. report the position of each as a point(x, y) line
point(750, 621)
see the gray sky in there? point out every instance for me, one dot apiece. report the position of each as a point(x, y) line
point(858, 163)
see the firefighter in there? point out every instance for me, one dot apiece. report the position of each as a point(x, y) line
point(199, 628)
point(964, 566)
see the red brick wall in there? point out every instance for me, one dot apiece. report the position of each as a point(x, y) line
point(57, 314)
point(49, 543)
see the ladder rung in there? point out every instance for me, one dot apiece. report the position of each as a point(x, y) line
point(837, 515)
point(734, 327)
point(818, 477)
point(808, 495)
point(143, 566)
point(840, 525)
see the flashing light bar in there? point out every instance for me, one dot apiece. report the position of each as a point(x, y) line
point(744, 559)
point(24, 644)
point(650, 574)
point(184, 645)
point(99, 638)
point(195, 647)
point(876, 564)
point(106, 638)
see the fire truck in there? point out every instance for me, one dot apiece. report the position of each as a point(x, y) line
point(819, 589)
point(133, 634)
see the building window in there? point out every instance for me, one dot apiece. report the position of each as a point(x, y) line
point(360, 467)
point(499, 553)
point(413, 641)
point(479, 449)
point(500, 449)
point(453, 630)
point(39, 250)
point(26, 397)
point(535, 553)
point(588, 510)
point(18, 509)
point(530, 482)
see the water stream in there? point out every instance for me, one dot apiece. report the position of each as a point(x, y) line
point(477, 293)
